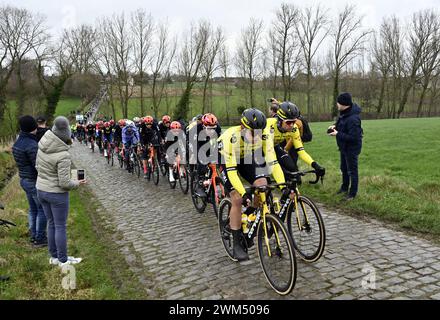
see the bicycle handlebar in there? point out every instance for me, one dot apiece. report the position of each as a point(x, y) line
point(252, 189)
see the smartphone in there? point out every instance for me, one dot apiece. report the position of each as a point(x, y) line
point(81, 174)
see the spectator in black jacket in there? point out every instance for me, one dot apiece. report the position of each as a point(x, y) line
point(42, 127)
point(348, 133)
point(25, 153)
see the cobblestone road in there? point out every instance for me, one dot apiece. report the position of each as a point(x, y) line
point(182, 252)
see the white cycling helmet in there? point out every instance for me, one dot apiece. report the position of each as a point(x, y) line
point(136, 119)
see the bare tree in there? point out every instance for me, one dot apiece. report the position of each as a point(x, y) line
point(81, 43)
point(420, 32)
point(164, 50)
point(225, 64)
point(430, 55)
point(215, 41)
point(312, 30)
point(249, 54)
point(28, 32)
point(103, 60)
point(55, 64)
point(142, 27)
point(121, 45)
point(284, 27)
point(348, 41)
point(274, 65)
point(190, 61)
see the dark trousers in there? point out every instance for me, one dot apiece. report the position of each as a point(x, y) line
point(349, 169)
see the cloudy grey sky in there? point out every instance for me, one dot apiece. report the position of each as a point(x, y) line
point(233, 15)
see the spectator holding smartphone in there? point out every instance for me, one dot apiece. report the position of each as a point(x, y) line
point(53, 184)
point(348, 133)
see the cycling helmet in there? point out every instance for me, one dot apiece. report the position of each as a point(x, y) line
point(112, 122)
point(288, 111)
point(121, 123)
point(136, 119)
point(253, 119)
point(166, 119)
point(129, 123)
point(209, 120)
point(148, 120)
point(107, 124)
point(175, 125)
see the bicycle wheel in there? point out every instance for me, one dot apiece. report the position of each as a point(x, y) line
point(183, 179)
point(199, 203)
point(217, 194)
point(277, 255)
point(156, 173)
point(92, 145)
point(112, 157)
point(108, 156)
point(136, 166)
point(307, 229)
point(224, 227)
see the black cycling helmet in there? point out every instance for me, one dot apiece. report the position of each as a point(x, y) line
point(253, 119)
point(288, 110)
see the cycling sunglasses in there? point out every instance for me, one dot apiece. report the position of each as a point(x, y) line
point(290, 122)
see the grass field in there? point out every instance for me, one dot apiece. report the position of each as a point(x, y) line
point(399, 171)
point(103, 274)
point(65, 106)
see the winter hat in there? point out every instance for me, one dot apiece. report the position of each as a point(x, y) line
point(61, 128)
point(27, 124)
point(345, 99)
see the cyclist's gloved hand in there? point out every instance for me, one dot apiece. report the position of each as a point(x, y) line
point(285, 193)
point(320, 171)
point(247, 199)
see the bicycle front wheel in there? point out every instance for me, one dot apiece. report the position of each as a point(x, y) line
point(156, 172)
point(199, 203)
point(276, 254)
point(307, 229)
point(183, 179)
point(224, 227)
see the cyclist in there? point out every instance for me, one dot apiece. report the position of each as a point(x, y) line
point(137, 122)
point(207, 131)
point(117, 134)
point(246, 150)
point(130, 139)
point(91, 131)
point(80, 132)
point(191, 138)
point(176, 135)
point(99, 129)
point(149, 133)
point(107, 136)
point(286, 135)
point(164, 126)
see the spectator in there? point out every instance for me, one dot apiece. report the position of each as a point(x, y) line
point(53, 185)
point(274, 106)
point(348, 133)
point(42, 127)
point(25, 154)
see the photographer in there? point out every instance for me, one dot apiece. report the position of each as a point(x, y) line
point(348, 133)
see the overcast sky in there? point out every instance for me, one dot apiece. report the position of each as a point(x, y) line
point(233, 15)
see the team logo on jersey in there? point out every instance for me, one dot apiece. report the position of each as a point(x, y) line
point(233, 139)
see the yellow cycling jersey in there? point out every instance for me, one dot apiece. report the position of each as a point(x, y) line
point(292, 138)
point(234, 148)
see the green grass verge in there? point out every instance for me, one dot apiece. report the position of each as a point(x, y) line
point(398, 169)
point(103, 274)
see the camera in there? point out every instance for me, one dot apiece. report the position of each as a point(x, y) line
point(81, 175)
point(330, 130)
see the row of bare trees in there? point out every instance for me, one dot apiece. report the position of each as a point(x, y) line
point(291, 55)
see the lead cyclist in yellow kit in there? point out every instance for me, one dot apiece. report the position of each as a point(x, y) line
point(247, 150)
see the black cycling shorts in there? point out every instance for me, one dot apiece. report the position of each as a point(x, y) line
point(249, 172)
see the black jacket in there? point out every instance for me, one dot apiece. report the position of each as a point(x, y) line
point(349, 137)
point(41, 132)
point(25, 154)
